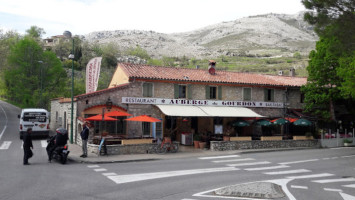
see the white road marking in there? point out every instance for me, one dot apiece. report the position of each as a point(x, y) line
point(93, 166)
point(109, 174)
point(44, 143)
point(22, 145)
point(267, 168)
point(334, 158)
point(283, 183)
point(346, 196)
point(5, 145)
point(333, 190)
point(119, 179)
point(218, 157)
point(3, 130)
point(348, 156)
point(100, 170)
point(288, 172)
point(350, 186)
point(248, 164)
point(299, 161)
point(235, 160)
point(335, 180)
point(299, 187)
point(311, 176)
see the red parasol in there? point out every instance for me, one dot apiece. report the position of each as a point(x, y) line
point(117, 114)
point(143, 118)
point(99, 118)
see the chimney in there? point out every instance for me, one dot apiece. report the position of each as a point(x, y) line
point(212, 67)
point(292, 72)
point(281, 73)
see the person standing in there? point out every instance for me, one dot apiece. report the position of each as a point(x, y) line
point(84, 138)
point(27, 145)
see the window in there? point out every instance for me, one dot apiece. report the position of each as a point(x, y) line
point(269, 94)
point(146, 129)
point(302, 98)
point(147, 89)
point(247, 94)
point(214, 92)
point(182, 91)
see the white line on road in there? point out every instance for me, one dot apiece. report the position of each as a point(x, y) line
point(333, 190)
point(350, 186)
point(100, 170)
point(5, 145)
point(248, 164)
point(346, 196)
point(93, 166)
point(218, 157)
point(311, 176)
point(288, 172)
point(267, 168)
point(335, 180)
point(44, 143)
point(348, 156)
point(147, 176)
point(299, 187)
point(235, 160)
point(109, 174)
point(299, 161)
point(3, 130)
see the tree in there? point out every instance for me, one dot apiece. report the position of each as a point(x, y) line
point(35, 32)
point(139, 52)
point(41, 74)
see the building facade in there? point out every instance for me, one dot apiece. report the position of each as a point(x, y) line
point(190, 100)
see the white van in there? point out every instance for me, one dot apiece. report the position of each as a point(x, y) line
point(35, 118)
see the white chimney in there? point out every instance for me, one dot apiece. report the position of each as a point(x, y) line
point(281, 73)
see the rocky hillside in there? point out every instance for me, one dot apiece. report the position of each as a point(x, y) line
point(262, 35)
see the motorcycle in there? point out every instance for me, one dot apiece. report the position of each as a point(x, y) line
point(60, 153)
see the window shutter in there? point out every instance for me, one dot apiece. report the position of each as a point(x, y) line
point(265, 94)
point(207, 92)
point(189, 92)
point(176, 91)
point(219, 92)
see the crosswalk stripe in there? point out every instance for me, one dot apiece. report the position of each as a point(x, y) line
point(299, 187)
point(311, 176)
point(100, 170)
point(5, 145)
point(267, 168)
point(288, 172)
point(346, 196)
point(350, 186)
point(235, 160)
point(44, 143)
point(248, 164)
point(93, 166)
point(218, 157)
point(147, 176)
point(333, 190)
point(335, 180)
point(299, 161)
point(109, 174)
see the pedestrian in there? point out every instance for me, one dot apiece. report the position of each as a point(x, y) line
point(27, 145)
point(84, 138)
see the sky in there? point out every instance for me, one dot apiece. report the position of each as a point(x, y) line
point(165, 16)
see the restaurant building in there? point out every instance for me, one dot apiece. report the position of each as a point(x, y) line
point(199, 101)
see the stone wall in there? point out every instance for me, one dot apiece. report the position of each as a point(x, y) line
point(256, 144)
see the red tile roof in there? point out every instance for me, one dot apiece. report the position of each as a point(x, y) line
point(202, 75)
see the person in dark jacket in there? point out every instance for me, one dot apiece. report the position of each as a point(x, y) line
point(84, 138)
point(59, 140)
point(27, 145)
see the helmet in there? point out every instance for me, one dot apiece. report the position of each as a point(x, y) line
point(61, 131)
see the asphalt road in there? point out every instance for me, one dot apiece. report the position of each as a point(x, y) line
point(324, 174)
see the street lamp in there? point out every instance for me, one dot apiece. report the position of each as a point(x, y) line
point(68, 34)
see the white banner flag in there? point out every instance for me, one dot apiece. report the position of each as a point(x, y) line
point(93, 74)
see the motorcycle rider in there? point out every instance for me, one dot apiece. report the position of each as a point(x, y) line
point(59, 140)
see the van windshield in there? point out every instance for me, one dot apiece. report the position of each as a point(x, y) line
point(34, 116)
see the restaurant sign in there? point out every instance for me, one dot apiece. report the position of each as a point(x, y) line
point(190, 102)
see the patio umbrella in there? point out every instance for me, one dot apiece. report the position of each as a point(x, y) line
point(143, 118)
point(291, 119)
point(117, 114)
point(302, 122)
point(280, 121)
point(240, 123)
point(99, 118)
point(263, 122)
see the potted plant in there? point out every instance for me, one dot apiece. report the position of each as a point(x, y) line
point(347, 142)
point(197, 139)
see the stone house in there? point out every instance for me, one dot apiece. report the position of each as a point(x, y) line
point(189, 100)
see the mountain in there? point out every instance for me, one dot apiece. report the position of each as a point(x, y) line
point(261, 35)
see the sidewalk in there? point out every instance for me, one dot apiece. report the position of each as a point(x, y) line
point(184, 152)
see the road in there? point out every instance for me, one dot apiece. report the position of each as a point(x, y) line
point(303, 174)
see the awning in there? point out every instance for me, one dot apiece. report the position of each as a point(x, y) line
point(207, 111)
